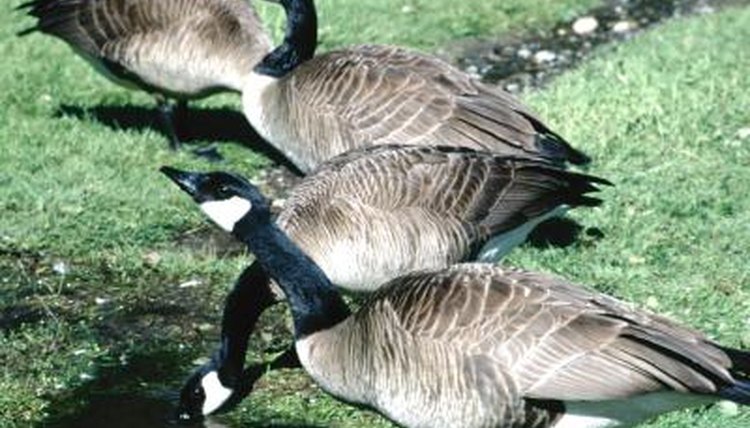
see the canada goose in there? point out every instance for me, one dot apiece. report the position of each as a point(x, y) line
point(476, 345)
point(377, 213)
point(314, 108)
point(172, 49)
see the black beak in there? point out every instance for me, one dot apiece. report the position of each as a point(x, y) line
point(188, 181)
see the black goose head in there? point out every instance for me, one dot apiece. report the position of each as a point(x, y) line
point(204, 393)
point(226, 198)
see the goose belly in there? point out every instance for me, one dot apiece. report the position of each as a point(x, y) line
point(366, 367)
point(164, 75)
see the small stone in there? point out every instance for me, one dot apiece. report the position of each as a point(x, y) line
point(624, 27)
point(544, 56)
point(60, 268)
point(513, 88)
point(278, 204)
point(190, 283)
point(743, 133)
point(728, 408)
point(473, 71)
point(151, 259)
point(205, 327)
point(585, 25)
point(636, 260)
point(200, 361)
point(524, 53)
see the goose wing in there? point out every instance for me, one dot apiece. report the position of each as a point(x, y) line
point(492, 192)
point(556, 341)
point(138, 40)
point(386, 94)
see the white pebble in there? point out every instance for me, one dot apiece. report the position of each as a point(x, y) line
point(60, 268)
point(190, 283)
point(623, 27)
point(524, 53)
point(544, 56)
point(585, 25)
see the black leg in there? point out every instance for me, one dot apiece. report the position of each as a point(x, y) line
point(209, 152)
point(167, 117)
point(181, 113)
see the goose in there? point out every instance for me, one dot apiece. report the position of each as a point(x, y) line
point(311, 108)
point(171, 49)
point(477, 345)
point(376, 213)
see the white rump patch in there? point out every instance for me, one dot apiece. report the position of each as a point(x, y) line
point(500, 245)
point(216, 393)
point(627, 412)
point(228, 212)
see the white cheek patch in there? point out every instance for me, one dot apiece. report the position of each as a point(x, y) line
point(216, 393)
point(227, 212)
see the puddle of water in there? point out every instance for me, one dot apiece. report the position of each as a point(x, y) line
point(532, 61)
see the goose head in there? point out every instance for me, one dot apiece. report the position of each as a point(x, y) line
point(227, 199)
point(203, 394)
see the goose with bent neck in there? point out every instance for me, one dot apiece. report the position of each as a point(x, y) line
point(312, 108)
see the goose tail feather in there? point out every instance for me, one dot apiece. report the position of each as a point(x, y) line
point(739, 392)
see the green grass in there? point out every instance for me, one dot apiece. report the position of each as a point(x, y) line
point(661, 115)
point(426, 24)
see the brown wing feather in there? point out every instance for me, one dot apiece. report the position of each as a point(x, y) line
point(478, 191)
point(388, 95)
point(558, 341)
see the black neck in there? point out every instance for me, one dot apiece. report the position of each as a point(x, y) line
point(315, 303)
point(299, 42)
point(249, 297)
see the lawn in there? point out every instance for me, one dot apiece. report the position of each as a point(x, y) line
point(111, 280)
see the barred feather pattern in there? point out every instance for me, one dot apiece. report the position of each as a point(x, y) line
point(481, 346)
point(379, 212)
point(371, 95)
point(180, 48)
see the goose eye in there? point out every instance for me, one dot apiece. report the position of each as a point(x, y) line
point(198, 394)
point(223, 191)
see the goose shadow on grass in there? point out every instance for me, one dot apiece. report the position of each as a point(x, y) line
point(142, 394)
point(562, 232)
point(199, 125)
